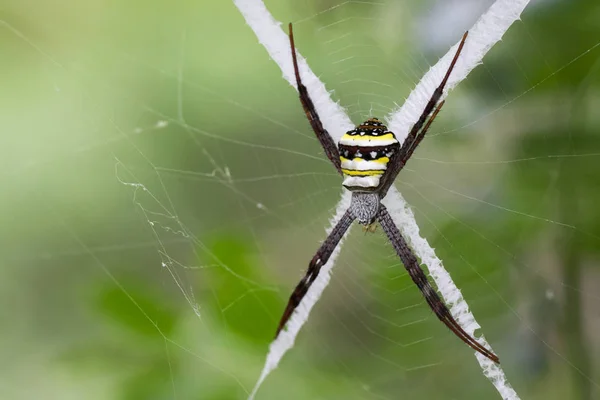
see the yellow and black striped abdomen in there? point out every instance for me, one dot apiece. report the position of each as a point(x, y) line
point(365, 153)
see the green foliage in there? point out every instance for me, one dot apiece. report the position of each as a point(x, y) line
point(137, 311)
point(236, 293)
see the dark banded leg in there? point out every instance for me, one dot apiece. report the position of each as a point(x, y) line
point(412, 140)
point(418, 276)
point(314, 267)
point(325, 139)
point(410, 150)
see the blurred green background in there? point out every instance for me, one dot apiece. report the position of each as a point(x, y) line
point(162, 193)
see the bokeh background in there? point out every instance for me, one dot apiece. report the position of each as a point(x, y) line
point(161, 194)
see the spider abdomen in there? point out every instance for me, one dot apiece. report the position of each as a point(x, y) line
point(365, 153)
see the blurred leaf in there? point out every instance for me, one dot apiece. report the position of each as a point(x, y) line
point(152, 382)
point(245, 307)
point(137, 311)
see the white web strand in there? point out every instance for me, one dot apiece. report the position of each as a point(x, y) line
point(486, 32)
point(285, 339)
point(405, 220)
point(276, 41)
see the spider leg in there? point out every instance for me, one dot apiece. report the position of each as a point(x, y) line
point(409, 151)
point(323, 136)
point(319, 259)
point(418, 276)
point(412, 140)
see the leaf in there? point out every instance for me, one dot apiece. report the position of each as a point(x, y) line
point(137, 311)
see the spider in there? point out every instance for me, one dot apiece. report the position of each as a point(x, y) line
point(369, 158)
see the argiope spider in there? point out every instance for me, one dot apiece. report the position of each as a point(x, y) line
point(369, 158)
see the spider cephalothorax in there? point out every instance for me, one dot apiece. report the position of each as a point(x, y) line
point(369, 158)
point(364, 206)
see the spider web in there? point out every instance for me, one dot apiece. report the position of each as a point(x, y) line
point(166, 195)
